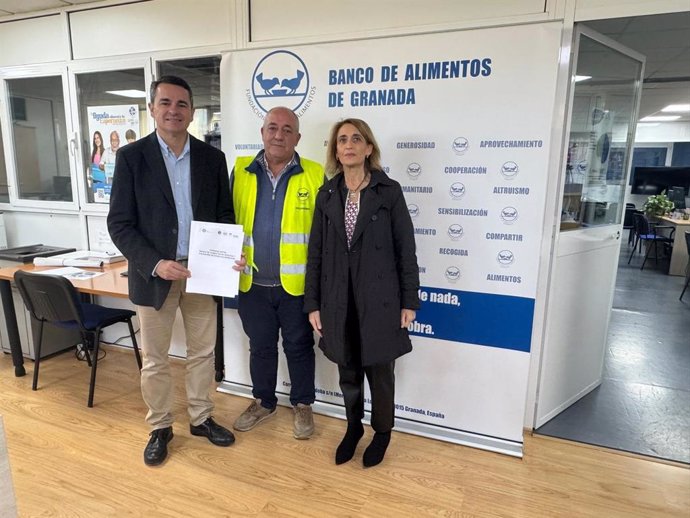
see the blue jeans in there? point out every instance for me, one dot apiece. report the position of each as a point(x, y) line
point(264, 312)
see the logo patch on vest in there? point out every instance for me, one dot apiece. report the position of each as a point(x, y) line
point(302, 197)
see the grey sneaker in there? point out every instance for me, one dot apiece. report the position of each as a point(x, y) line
point(303, 424)
point(254, 414)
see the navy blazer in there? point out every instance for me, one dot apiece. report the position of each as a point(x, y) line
point(143, 221)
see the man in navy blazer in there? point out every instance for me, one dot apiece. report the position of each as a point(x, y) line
point(161, 183)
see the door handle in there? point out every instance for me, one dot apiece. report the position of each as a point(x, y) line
point(73, 145)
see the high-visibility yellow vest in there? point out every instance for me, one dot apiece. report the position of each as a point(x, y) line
point(295, 225)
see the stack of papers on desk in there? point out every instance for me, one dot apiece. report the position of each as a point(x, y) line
point(72, 273)
point(81, 258)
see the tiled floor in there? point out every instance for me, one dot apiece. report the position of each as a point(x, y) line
point(643, 402)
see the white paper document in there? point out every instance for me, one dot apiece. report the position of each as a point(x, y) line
point(213, 250)
point(83, 258)
point(73, 274)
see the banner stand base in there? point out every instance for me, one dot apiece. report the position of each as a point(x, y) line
point(482, 442)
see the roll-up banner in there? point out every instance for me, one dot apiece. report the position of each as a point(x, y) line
point(463, 120)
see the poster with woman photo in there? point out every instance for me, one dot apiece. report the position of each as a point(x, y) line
point(110, 127)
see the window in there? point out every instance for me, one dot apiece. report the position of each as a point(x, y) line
point(112, 113)
point(203, 75)
point(602, 116)
point(40, 138)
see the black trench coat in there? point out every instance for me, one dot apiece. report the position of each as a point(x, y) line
point(383, 264)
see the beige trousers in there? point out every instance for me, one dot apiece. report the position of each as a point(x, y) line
point(199, 317)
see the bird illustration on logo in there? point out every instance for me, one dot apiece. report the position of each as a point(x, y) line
point(289, 85)
point(293, 84)
point(267, 84)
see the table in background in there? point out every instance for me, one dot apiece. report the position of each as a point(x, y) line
point(110, 284)
point(679, 257)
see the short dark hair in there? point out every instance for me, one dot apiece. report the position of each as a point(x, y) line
point(170, 80)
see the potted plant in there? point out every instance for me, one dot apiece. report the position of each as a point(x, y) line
point(657, 205)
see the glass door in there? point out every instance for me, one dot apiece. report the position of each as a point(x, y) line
point(606, 82)
point(604, 95)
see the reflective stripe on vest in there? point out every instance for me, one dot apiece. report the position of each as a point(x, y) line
point(295, 239)
point(298, 212)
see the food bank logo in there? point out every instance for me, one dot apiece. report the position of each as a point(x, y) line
point(280, 79)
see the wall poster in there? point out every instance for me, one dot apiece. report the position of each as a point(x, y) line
point(109, 128)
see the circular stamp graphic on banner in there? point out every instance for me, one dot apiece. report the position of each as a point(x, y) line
point(455, 231)
point(413, 210)
point(457, 190)
point(280, 79)
point(460, 145)
point(509, 170)
point(414, 170)
point(505, 258)
point(509, 215)
point(452, 273)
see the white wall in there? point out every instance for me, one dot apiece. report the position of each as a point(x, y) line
point(326, 20)
point(31, 228)
point(663, 132)
point(600, 9)
point(37, 40)
point(151, 26)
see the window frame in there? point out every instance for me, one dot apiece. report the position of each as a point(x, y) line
point(30, 72)
point(88, 67)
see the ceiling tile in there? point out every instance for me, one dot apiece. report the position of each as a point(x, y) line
point(27, 6)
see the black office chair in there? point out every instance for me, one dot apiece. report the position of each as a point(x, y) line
point(50, 298)
point(644, 232)
point(628, 222)
point(687, 268)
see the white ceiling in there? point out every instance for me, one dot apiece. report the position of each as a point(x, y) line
point(10, 7)
point(663, 39)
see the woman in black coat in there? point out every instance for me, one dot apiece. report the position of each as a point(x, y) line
point(362, 281)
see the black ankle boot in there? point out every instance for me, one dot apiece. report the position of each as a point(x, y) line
point(375, 452)
point(346, 448)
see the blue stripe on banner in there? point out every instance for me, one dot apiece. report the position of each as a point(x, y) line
point(501, 321)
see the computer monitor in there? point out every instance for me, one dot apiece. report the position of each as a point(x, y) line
point(655, 180)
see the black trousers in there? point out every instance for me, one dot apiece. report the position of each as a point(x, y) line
point(381, 379)
point(382, 385)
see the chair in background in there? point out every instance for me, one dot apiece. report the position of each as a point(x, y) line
point(50, 298)
point(648, 234)
point(687, 268)
point(628, 221)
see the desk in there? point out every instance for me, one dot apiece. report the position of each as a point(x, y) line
point(679, 257)
point(109, 284)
